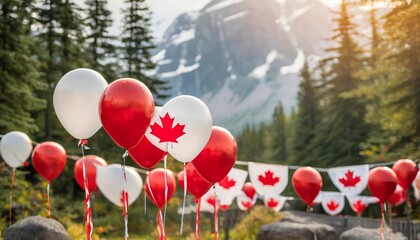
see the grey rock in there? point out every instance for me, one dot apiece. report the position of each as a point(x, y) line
point(36, 228)
point(296, 231)
point(359, 233)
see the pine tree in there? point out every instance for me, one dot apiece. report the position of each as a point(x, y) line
point(307, 117)
point(250, 143)
point(402, 36)
point(102, 50)
point(60, 36)
point(276, 149)
point(342, 127)
point(19, 78)
point(137, 44)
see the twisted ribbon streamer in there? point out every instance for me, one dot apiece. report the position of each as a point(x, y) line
point(88, 211)
point(11, 195)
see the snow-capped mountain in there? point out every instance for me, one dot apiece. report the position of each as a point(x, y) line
point(242, 57)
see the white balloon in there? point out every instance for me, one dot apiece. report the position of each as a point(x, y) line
point(15, 148)
point(110, 181)
point(76, 99)
point(193, 116)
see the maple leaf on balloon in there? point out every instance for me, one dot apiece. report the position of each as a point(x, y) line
point(247, 204)
point(332, 205)
point(359, 206)
point(167, 132)
point(269, 178)
point(227, 183)
point(210, 200)
point(272, 203)
point(349, 180)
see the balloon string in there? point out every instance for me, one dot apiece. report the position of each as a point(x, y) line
point(382, 221)
point(197, 220)
point(88, 211)
point(166, 181)
point(160, 226)
point(11, 195)
point(145, 198)
point(183, 200)
point(216, 217)
point(48, 200)
point(125, 197)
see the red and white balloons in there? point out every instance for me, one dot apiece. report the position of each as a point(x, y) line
point(382, 183)
point(76, 98)
point(91, 161)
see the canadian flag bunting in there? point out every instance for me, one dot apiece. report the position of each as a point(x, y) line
point(244, 202)
point(231, 186)
point(350, 180)
point(207, 201)
point(332, 202)
point(359, 203)
point(275, 202)
point(416, 186)
point(268, 179)
point(318, 198)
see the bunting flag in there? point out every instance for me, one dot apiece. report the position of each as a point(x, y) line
point(359, 203)
point(231, 186)
point(244, 202)
point(332, 202)
point(416, 186)
point(268, 179)
point(207, 201)
point(274, 202)
point(318, 198)
point(350, 180)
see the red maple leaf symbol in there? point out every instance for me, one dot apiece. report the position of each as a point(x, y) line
point(167, 133)
point(332, 205)
point(272, 203)
point(268, 179)
point(210, 200)
point(349, 180)
point(247, 204)
point(227, 183)
point(224, 207)
point(358, 206)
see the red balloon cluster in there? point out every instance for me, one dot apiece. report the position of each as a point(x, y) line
point(145, 154)
point(406, 171)
point(196, 185)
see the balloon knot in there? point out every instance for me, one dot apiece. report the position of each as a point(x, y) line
point(83, 142)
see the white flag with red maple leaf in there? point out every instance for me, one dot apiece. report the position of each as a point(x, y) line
point(268, 179)
point(207, 201)
point(275, 202)
point(359, 203)
point(332, 202)
point(231, 186)
point(244, 202)
point(350, 180)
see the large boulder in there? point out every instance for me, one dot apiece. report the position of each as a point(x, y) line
point(36, 228)
point(359, 233)
point(296, 231)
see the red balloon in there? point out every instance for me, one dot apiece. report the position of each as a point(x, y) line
point(249, 190)
point(398, 197)
point(382, 182)
point(156, 190)
point(406, 171)
point(91, 161)
point(126, 109)
point(307, 183)
point(49, 159)
point(145, 154)
point(218, 156)
point(196, 185)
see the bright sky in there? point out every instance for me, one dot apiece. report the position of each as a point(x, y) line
point(165, 11)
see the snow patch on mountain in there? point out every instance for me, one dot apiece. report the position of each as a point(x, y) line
point(184, 36)
point(221, 5)
point(296, 66)
point(180, 70)
point(235, 16)
point(260, 72)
